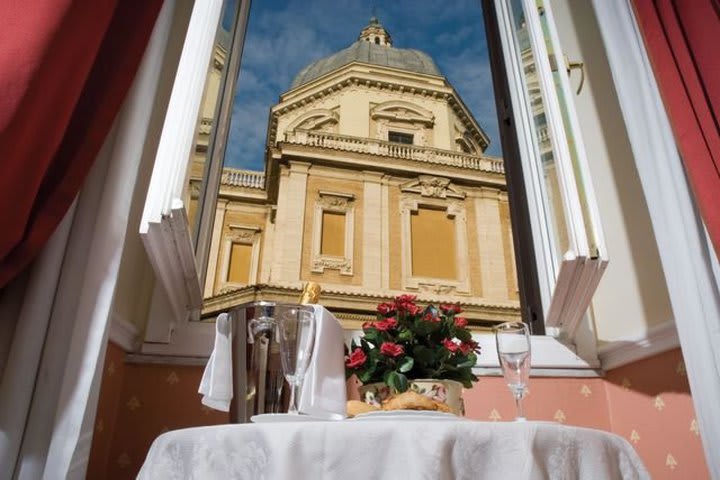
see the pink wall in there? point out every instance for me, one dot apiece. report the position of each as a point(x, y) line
point(652, 398)
point(138, 402)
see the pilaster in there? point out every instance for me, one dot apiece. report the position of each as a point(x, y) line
point(373, 232)
point(490, 244)
point(218, 225)
point(291, 221)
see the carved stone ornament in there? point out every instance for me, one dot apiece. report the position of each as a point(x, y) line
point(228, 289)
point(321, 263)
point(429, 186)
point(436, 289)
point(335, 202)
point(243, 233)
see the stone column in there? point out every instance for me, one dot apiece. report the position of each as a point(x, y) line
point(490, 245)
point(372, 231)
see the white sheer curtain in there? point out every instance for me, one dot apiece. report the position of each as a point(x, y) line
point(688, 259)
point(51, 375)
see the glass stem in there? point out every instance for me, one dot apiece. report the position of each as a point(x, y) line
point(519, 404)
point(292, 408)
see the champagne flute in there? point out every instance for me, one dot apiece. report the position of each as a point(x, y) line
point(513, 347)
point(296, 326)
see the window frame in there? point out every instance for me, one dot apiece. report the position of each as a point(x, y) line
point(241, 234)
point(405, 135)
point(574, 352)
point(564, 291)
point(333, 202)
point(179, 262)
point(453, 208)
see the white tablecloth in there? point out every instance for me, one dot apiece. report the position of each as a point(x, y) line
point(406, 450)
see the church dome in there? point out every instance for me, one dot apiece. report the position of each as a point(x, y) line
point(374, 46)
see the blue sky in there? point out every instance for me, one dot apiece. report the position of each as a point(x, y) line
point(285, 35)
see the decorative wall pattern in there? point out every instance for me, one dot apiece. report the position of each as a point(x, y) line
point(650, 405)
point(647, 402)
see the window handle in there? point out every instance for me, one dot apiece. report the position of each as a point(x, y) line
point(569, 67)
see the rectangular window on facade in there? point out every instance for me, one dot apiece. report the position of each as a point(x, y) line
point(398, 137)
point(240, 261)
point(433, 244)
point(333, 234)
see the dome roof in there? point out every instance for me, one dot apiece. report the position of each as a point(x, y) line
point(365, 50)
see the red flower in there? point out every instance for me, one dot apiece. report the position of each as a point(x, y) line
point(367, 325)
point(461, 322)
point(467, 347)
point(405, 299)
point(390, 349)
point(356, 359)
point(386, 308)
point(431, 317)
point(387, 324)
point(450, 345)
point(449, 308)
point(406, 303)
point(413, 309)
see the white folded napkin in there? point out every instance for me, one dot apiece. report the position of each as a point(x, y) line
point(216, 384)
point(323, 391)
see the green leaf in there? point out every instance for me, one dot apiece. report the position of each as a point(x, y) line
point(397, 381)
point(365, 376)
point(463, 335)
point(469, 362)
point(373, 336)
point(405, 335)
point(406, 364)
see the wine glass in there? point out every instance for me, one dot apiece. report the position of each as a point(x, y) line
point(513, 347)
point(296, 328)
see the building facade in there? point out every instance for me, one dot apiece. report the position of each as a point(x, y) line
point(375, 185)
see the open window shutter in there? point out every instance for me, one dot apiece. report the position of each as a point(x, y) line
point(568, 238)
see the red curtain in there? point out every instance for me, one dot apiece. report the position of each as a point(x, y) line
point(65, 68)
point(682, 39)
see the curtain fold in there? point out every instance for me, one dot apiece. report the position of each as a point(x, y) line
point(65, 68)
point(681, 38)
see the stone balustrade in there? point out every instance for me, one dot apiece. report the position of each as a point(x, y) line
point(395, 150)
point(243, 178)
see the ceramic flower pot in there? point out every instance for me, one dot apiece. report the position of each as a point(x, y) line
point(448, 392)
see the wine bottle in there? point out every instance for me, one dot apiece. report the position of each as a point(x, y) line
point(311, 293)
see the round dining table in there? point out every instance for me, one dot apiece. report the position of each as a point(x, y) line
point(401, 445)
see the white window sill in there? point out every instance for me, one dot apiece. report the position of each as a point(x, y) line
point(550, 357)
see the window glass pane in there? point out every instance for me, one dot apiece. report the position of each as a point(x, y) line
point(560, 73)
point(209, 116)
point(240, 258)
point(398, 137)
point(433, 244)
point(333, 234)
point(555, 216)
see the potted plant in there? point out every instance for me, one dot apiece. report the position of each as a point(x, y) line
point(429, 350)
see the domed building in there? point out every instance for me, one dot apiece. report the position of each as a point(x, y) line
point(375, 185)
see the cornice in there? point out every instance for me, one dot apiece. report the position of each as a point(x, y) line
point(356, 301)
